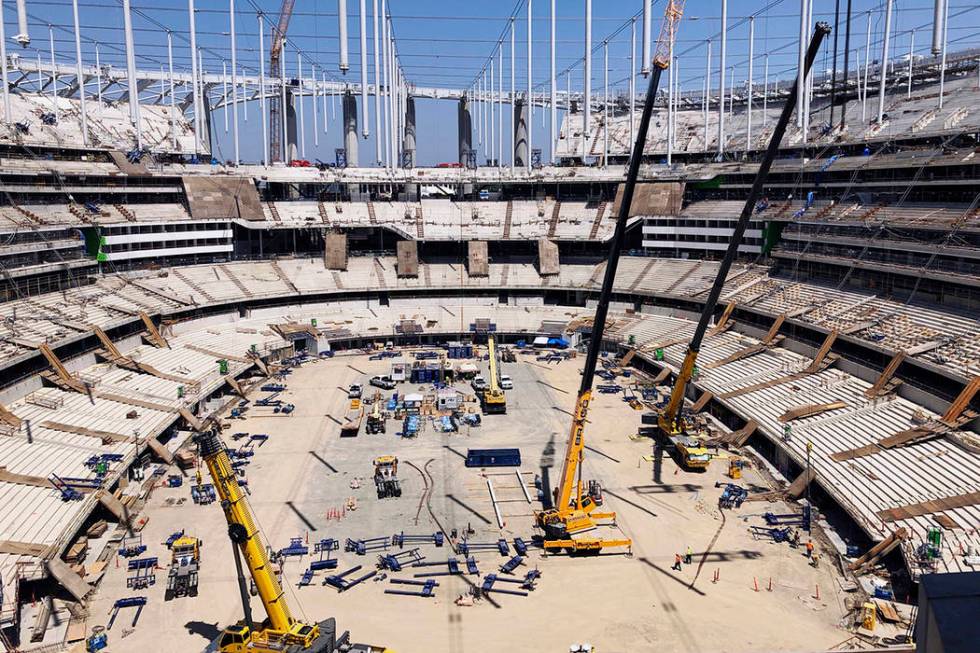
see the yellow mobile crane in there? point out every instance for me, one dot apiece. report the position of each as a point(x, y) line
point(280, 632)
point(574, 511)
point(673, 427)
point(494, 400)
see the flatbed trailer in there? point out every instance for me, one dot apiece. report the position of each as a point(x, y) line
point(352, 419)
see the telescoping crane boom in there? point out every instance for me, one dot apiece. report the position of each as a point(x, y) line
point(280, 632)
point(672, 425)
point(494, 400)
point(574, 511)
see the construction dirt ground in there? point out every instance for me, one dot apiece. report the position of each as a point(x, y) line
point(739, 593)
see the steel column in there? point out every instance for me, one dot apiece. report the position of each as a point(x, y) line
point(647, 20)
point(262, 108)
point(554, 85)
point(134, 99)
point(234, 79)
point(884, 60)
point(3, 70)
point(707, 91)
point(173, 99)
point(196, 100)
point(377, 87)
point(748, 103)
point(530, 103)
point(942, 65)
point(342, 27)
point(80, 78)
point(587, 94)
point(605, 104)
point(721, 80)
point(632, 84)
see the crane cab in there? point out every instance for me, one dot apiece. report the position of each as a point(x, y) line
point(301, 637)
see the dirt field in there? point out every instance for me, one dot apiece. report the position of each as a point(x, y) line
point(302, 476)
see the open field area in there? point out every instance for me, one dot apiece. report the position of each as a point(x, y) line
point(300, 480)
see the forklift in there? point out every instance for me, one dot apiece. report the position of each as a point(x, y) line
point(386, 477)
point(185, 565)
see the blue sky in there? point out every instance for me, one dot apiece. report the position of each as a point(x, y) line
point(446, 44)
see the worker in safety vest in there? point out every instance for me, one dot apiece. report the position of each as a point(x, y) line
point(687, 555)
point(677, 562)
point(809, 548)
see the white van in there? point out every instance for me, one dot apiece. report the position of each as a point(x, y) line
point(506, 383)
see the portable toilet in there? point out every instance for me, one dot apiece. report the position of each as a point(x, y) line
point(413, 403)
point(447, 399)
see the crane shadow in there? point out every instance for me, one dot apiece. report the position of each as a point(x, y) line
point(204, 629)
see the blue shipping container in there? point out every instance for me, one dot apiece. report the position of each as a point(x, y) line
point(493, 458)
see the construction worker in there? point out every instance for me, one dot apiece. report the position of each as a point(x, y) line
point(809, 548)
point(795, 542)
point(677, 562)
point(687, 555)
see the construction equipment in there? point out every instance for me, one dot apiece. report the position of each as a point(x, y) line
point(130, 547)
point(97, 641)
point(276, 119)
point(400, 539)
point(426, 592)
point(673, 426)
point(362, 547)
point(340, 582)
point(386, 477)
point(130, 602)
point(280, 631)
point(352, 419)
point(376, 420)
point(68, 493)
point(869, 616)
point(732, 496)
point(493, 400)
point(144, 573)
point(735, 465)
point(500, 545)
point(452, 568)
point(185, 565)
point(777, 534)
point(395, 561)
point(802, 519)
point(574, 512)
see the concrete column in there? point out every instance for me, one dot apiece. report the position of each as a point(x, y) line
point(350, 128)
point(522, 156)
point(464, 128)
point(292, 149)
point(408, 143)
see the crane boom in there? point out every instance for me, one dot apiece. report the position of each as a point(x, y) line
point(280, 630)
point(275, 54)
point(572, 511)
point(494, 400)
point(669, 421)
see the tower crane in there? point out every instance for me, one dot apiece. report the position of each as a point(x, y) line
point(672, 425)
point(494, 400)
point(279, 632)
point(574, 510)
point(276, 116)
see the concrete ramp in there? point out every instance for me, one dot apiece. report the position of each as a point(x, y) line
point(547, 257)
point(335, 252)
point(160, 450)
point(663, 198)
point(115, 506)
point(68, 578)
point(124, 165)
point(214, 198)
point(408, 258)
point(478, 260)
